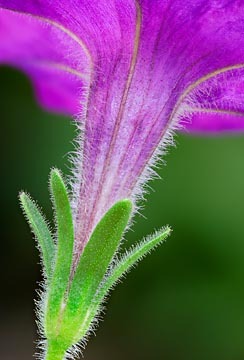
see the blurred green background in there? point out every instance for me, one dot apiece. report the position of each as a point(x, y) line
point(185, 301)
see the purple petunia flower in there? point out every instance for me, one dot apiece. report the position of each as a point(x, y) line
point(131, 71)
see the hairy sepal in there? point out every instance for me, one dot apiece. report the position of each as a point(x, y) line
point(57, 291)
point(126, 261)
point(39, 226)
point(72, 304)
point(92, 267)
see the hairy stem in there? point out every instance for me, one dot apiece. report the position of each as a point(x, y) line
point(54, 351)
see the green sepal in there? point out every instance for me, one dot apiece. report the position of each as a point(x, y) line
point(130, 259)
point(41, 231)
point(63, 260)
point(93, 265)
point(124, 264)
point(73, 303)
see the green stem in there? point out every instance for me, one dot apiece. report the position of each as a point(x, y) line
point(54, 351)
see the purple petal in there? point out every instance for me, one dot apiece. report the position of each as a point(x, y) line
point(151, 65)
point(177, 52)
point(217, 104)
point(49, 54)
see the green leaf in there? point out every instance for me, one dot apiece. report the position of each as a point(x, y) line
point(40, 228)
point(63, 261)
point(93, 265)
point(126, 262)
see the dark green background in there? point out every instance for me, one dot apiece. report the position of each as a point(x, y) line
point(185, 301)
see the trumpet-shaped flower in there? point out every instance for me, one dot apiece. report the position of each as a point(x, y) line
point(131, 72)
